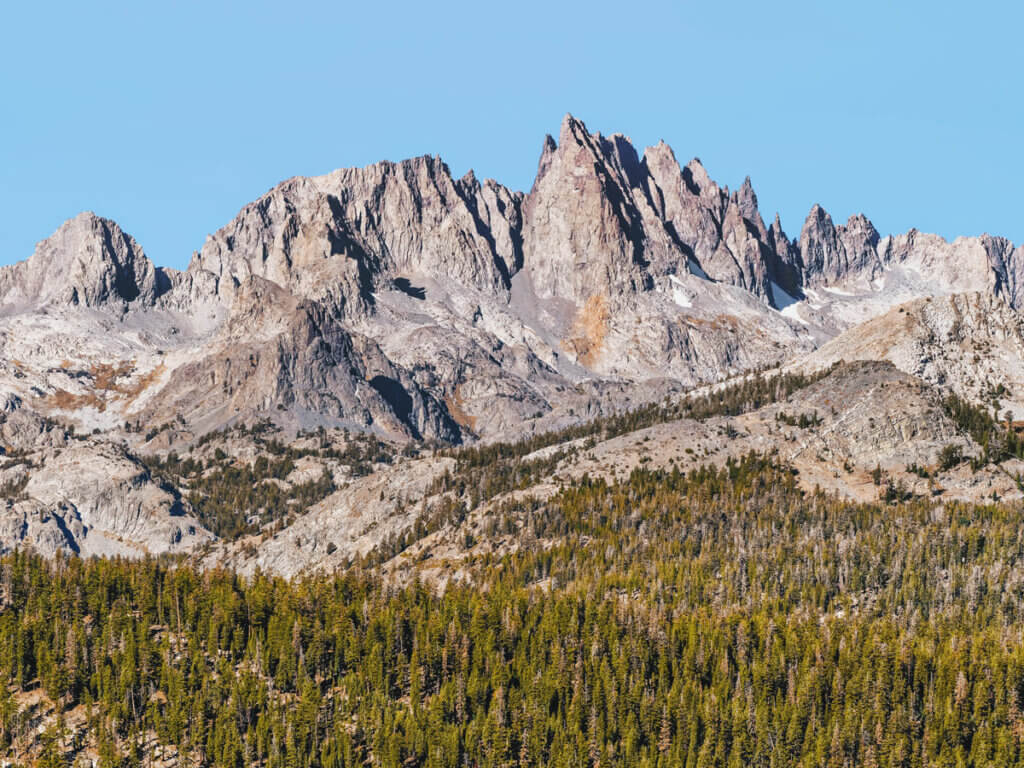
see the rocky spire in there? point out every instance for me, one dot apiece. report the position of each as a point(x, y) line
point(599, 219)
point(583, 233)
point(724, 234)
point(830, 253)
point(746, 200)
point(788, 269)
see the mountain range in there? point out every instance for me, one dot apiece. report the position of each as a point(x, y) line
point(396, 312)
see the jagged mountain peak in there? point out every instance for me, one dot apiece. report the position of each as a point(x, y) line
point(586, 228)
point(860, 220)
point(830, 253)
point(340, 237)
point(89, 261)
point(776, 225)
point(397, 299)
point(602, 220)
point(698, 180)
point(746, 191)
point(572, 128)
point(599, 219)
point(746, 200)
point(818, 216)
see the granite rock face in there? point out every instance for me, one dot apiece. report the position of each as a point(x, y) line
point(399, 300)
point(601, 219)
point(84, 495)
point(396, 298)
point(88, 261)
point(591, 241)
point(830, 253)
point(278, 354)
point(338, 238)
point(971, 344)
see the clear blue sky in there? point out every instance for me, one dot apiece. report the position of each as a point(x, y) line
point(168, 117)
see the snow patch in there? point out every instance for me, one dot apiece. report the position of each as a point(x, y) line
point(679, 296)
point(792, 311)
point(838, 291)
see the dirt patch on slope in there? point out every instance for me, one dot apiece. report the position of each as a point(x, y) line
point(109, 383)
point(589, 330)
point(457, 409)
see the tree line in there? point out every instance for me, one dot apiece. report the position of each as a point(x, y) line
point(719, 617)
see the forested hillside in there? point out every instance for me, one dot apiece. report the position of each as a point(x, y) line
point(717, 618)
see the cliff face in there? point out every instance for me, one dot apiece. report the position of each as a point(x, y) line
point(398, 300)
point(602, 219)
point(830, 253)
point(339, 238)
point(969, 343)
point(88, 262)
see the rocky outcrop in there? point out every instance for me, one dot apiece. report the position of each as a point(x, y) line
point(284, 356)
point(873, 414)
point(85, 496)
point(602, 227)
point(338, 238)
point(602, 220)
point(599, 219)
point(372, 512)
point(830, 253)
point(787, 266)
point(109, 504)
point(88, 261)
point(399, 300)
point(584, 230)
point(972, 344)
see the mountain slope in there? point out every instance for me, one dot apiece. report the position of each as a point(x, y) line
point(399, 301)
point(972, 344)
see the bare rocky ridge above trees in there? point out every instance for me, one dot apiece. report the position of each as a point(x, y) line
point(425, 310)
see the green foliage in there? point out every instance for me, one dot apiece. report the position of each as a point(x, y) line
point(234, 499)
point(804, 421)
point(876, 475)
point(237, 499)
point(14, 489)
point(916, 469)
point(950, 456)
point(894, 492)
point(998, 442)
point(715, 618)
point(486, 471)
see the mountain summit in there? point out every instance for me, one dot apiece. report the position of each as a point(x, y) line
point(88, 261)
point(398, 301)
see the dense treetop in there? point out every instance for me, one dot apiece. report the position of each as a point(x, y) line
point(717, 618)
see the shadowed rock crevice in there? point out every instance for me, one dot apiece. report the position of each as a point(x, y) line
point(394, 395)
point(402, 284)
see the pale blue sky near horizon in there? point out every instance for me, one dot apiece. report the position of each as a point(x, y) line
point(168, 118)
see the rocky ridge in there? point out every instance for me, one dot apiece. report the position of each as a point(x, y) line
point(398, 300)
